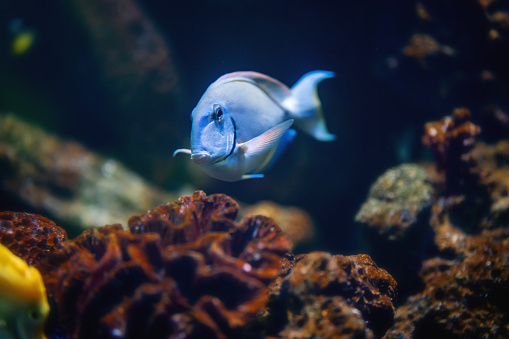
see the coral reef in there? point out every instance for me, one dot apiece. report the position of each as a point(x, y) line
point(326, 317)
point(189, 269)
point(464, 253)
point(396, 200)
point(465, 296)
point(422, 46)
point(30, 236)
point(452, 140)
point(498, 19)
point(396, 216)
point(184, 269)
point(332, 296)
point(464, 185)
point(67, 181)
point(295, 222)
point(493, 160)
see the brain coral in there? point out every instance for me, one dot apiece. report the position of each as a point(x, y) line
point(335, 296)
point(185, 269)
point(30, 236)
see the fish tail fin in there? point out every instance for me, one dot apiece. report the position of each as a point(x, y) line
point(305, 107)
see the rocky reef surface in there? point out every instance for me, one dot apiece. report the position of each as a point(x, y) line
point(448, 236)
point(335, 296)
point(464, 296)
point(188, 269)
point(66, 180)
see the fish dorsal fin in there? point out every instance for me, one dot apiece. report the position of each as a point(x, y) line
point(264, 142)
point(275, 89)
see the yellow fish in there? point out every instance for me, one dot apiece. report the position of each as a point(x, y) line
point(23, 303)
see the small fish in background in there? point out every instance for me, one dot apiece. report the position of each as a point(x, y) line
point(23, 38)
point(242, 122)
point(23, 303)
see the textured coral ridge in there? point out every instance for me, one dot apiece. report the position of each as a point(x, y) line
point(185, 269)
point(30, 236)
point(451, 140)
point(335, 296)
point(464, 297)
point(396, 199)
point(464, 276)
point(188, 270)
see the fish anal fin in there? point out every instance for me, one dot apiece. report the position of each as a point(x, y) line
point(251, 176)
point(265, 141)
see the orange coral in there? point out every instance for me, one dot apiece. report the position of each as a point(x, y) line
point(184, 269)
point(350, 292)
point(188, 269)
point(463, 297)
point(451, 140)
point(30, 236)
point(422, 46)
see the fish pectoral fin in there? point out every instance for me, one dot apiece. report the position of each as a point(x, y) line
point(182, 150)
point(286, 140)
point(251, 176)
point(264, 142)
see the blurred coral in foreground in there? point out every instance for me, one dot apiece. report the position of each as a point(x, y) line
point(184, 269)
point(187, 269)
point(31, 237)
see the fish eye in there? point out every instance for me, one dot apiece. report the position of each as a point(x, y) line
point(218, 113)
point(34, 314)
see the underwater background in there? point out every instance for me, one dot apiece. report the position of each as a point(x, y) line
point(120, 78)
point(80, 79)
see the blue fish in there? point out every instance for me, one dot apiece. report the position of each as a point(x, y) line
point(242, 122)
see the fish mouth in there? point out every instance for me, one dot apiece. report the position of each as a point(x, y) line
point(203, 157)
point(200, 158)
